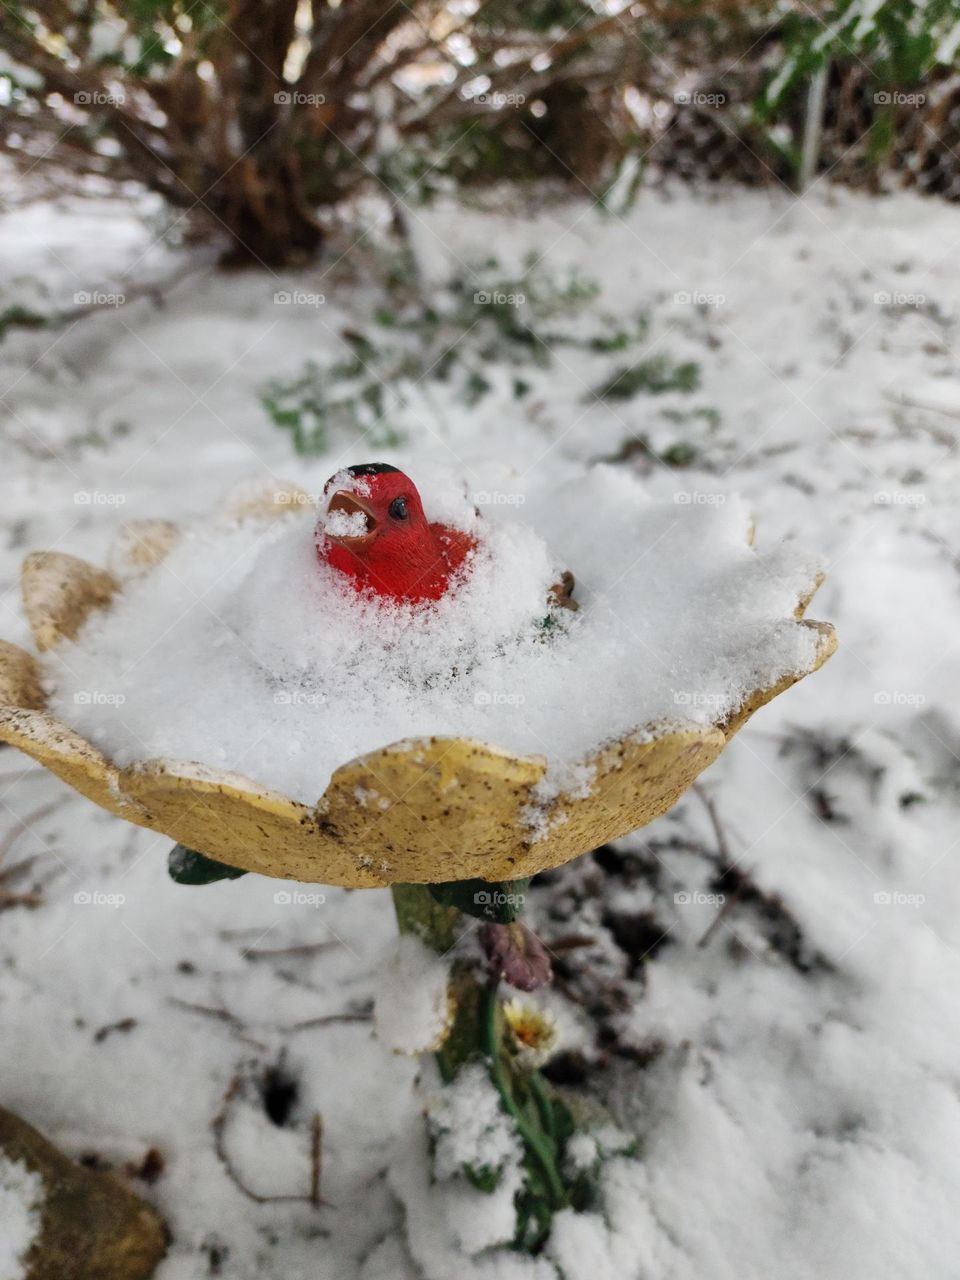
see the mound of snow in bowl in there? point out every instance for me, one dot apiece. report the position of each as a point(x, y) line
point(242, 651)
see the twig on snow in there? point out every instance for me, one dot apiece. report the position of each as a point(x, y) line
point(726, 863)
point(26, 824)
point(219, 1126)
point(220, 1015)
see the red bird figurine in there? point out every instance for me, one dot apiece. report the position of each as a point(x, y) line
point(377, 534)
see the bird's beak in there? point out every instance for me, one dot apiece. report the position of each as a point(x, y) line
point(350, 505)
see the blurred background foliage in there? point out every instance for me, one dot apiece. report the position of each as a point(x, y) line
point(256, 119)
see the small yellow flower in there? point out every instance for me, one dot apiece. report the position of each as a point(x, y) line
point(531, 1032)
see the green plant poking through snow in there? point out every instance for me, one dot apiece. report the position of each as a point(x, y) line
point(485, 331)
point(497, 1124)
point(351, 396)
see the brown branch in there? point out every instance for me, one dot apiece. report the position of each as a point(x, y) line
point(10, 900)
point(316, 1159)
point(328, 1020)
point(26, 824)
point(723, 848)
point(219, 1127)
point(726, 862)
point(219, 1015)
point(17, 868)
point(302, 949)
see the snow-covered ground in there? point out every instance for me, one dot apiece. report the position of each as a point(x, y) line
point(793, 1073)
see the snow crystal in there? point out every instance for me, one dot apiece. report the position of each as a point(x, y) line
point(21, 1199)
point(412, 1008)
point(243, 651)
point(582, 1152)
point(346, 524)
point(470, 1126)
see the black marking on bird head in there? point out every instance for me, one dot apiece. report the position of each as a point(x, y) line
point(370, 469)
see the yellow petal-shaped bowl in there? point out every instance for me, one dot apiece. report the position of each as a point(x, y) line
point(420, 811)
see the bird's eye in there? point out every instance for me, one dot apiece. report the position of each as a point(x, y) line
point(398, 508)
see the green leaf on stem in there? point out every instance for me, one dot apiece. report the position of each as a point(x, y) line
point(186, 866)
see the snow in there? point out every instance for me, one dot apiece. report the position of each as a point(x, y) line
point(466, 1125)
point(242, 650)
point(412, 1012)
point(345, 524)
point(793, 1082)
point(21, 1202)
point(470, 1127)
